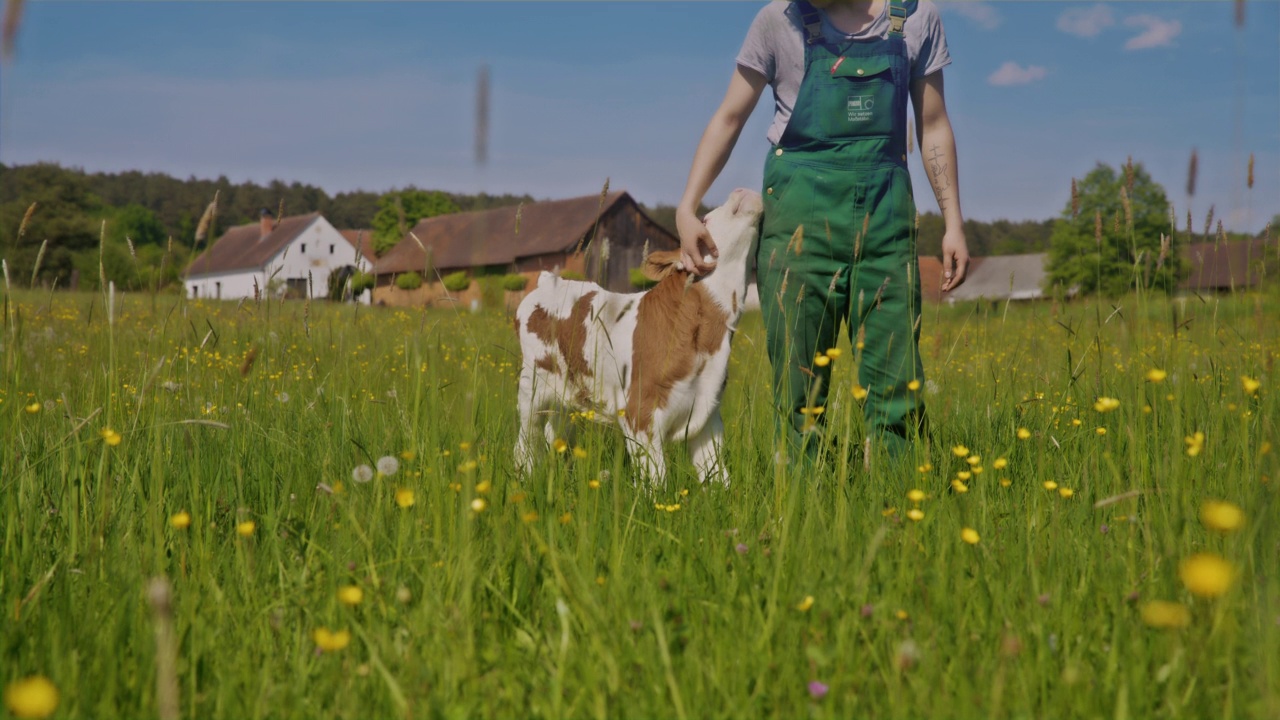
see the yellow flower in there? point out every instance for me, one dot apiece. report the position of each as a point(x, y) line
point(180, 520)
point(246, 528)
point(1222, 516)
point(1195, 443)
point(1050, 485)
point(478, 505)
point(914, 385)
point(1156, 375)
point(1066, 492)
point(916, 514)
point(964, 474)
point(1076, 422)
point(530, 516)
point(1206, 574)
point(329, 641)
point(470, 466)
point(566, 518)
point(594, 484)
point(1165, 614)
point(1100, 430)
point(33, 408)
point(960, 451)
point(959, 486)
point(888, 511)
point(350, 595)
point(408, 455)
point(560, 445)
point(901, 615)
point(970, 536)
point(859, 392)
point(822, 361)
point(812, 410)
point(925, 468)
point(1000, 464)
point(404, 498)
point(915, 495)
point(973, 459)
point(1005, 482)
point(579, 452)
point(1250, 385)
point(110, 437)
point(31, 697)
point(1023, 433)
point(464, 446)
point(833, 353)
point(1106, 404)
point(805, 604)
point(484, 486)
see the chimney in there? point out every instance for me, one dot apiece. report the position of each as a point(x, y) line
point(267, 223)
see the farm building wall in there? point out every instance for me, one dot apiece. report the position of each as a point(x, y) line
point(304, 265)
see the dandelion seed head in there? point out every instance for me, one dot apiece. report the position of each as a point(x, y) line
point(388, 465)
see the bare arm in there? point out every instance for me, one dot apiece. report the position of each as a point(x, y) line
point(938, 148)
point(709, 159)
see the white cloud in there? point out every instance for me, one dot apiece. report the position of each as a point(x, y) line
point(1155, 32)
point(1011, 73)
point(982, 14)
point(1086, 22)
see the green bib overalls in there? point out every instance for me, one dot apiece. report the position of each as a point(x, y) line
point(838, 240)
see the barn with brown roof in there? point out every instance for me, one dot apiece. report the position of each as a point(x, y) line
point(292, 257)
point(1225, 266)
point(600, 237)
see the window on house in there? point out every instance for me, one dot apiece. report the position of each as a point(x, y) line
point(218, 290)
point(304, 248)
point(330, 249)
point(195, 291)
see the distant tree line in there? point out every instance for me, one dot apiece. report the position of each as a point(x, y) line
point(140, 229)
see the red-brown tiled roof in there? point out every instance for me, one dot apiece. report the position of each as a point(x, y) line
point(490, 237)
point(244, 248)
point(930, 278)
point(361, 240)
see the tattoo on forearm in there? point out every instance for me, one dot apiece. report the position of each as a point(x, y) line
point(938, 176)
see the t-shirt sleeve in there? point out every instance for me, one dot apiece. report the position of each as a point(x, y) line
point(758, 49)
point(933, 55)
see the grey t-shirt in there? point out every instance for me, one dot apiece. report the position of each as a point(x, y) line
point(775, 48)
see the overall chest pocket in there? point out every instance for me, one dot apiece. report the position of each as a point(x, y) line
point(857, 99)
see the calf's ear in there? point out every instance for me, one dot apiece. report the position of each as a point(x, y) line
point(660, 264)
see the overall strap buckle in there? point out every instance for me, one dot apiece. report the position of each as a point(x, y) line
point(897, 17)
point(812, 22)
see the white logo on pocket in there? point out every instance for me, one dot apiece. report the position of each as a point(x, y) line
point(859, 107)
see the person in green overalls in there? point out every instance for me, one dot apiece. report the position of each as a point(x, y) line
point(838, 236)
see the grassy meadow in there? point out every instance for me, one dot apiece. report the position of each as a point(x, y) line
point(1063, 556)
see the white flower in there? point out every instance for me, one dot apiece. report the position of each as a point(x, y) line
point(283, 397)
point(362, 474)
point(388, 465)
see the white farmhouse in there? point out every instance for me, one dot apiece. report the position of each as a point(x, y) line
point(292, 258)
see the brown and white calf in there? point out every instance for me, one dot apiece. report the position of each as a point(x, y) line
point(654, 361)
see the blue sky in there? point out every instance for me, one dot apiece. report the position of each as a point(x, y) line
point(376, 95)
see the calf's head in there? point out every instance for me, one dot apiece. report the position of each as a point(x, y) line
point(735, 228)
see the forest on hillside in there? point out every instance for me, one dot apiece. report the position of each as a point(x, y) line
point(144, 225)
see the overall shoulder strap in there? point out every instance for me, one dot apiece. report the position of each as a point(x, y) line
point(897, 17)
point(812, 22)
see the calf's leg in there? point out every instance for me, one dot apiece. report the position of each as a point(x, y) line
point(707, 450)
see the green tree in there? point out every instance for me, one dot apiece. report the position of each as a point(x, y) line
point(399, 211)
point(67, 215)
point(1108, 245)
point(136, 224)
